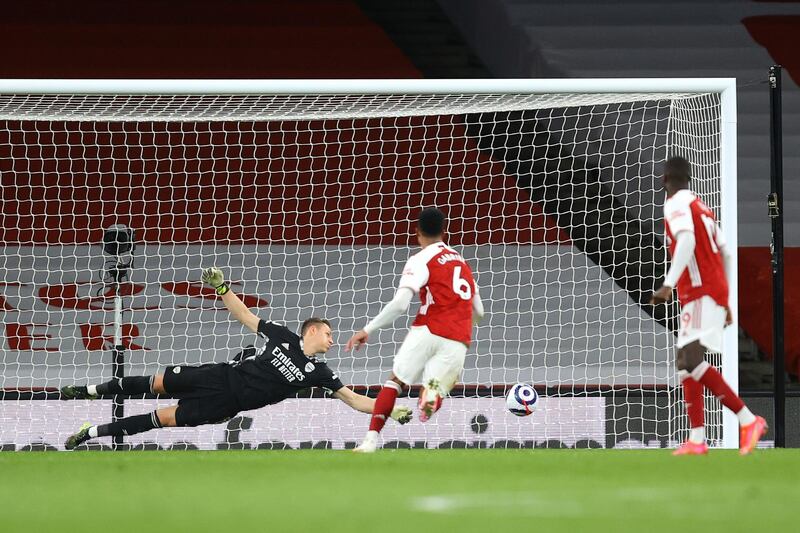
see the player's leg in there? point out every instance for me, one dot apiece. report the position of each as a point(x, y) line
point(693, 399)
point(440, 375)
point(205, 400)
point(704, 331)
point(181, 379)
point(407, 369)
point(130, 425)
point(128, 386)
point(384, 403)
point(210, 409)
point(752, 427)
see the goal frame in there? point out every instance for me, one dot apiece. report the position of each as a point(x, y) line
point(725, 87)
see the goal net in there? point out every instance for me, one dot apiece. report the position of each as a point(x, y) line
point(306, 195)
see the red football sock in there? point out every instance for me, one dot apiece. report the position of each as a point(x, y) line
point(693, 398)
point(384, 404)
point(713, 381)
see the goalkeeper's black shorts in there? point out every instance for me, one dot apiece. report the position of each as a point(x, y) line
point(203, 392)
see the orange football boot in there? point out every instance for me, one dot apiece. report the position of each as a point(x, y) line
point(692, 448)
point(750, 434)
point(430, 400)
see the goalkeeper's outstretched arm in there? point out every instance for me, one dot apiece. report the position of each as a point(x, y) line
point(365, 404)
point(213, 277)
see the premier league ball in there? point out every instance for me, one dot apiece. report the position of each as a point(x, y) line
point(521, 399)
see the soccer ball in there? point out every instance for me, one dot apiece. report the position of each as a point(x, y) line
point(521, 399)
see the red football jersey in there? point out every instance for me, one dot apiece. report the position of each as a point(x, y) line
point(446, 288)
point(705, 274)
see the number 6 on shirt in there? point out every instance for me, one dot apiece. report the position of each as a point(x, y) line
point(461, 286)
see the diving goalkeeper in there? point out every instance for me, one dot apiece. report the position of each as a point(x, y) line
point(284, 364)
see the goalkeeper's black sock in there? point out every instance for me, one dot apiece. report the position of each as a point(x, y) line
point(130, 386)
point(130, 425)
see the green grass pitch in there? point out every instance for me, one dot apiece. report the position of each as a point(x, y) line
point(404, 490)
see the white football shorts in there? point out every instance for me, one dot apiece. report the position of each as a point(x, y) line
point(702, 320)
point(424, 356)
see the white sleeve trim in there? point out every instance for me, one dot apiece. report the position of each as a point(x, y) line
point(726, 259)
point(684, 251)
point(477, 306)
point(392, 310)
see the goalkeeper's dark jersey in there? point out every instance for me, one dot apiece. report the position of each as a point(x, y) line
point(277, 370)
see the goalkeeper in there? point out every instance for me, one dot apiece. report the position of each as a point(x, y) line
point(284, 364)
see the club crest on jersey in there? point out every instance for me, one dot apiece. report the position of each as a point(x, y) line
point(309, 367)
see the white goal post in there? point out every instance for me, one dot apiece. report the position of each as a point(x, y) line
point(305, 193)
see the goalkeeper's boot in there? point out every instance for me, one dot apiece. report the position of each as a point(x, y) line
point(76, 392)
point(750, 434)
point(430, 400)
point(78, 438)
point(692, 448)
point(370, 443)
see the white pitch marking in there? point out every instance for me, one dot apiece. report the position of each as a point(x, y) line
point(522, 503)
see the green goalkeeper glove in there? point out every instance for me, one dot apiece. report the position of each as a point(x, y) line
point(401, 414)
point(213, 276)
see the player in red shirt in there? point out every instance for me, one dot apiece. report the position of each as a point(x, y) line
point(698, 271)
point(433, 351)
